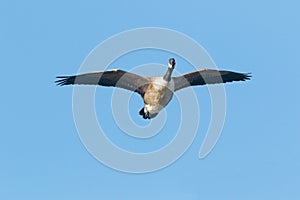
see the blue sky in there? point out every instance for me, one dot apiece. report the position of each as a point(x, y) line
point(257, 156)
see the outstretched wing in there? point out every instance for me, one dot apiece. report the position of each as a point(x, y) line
point(208, 76)
point(114, 78)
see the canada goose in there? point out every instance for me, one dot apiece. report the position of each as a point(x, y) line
point(155, 91)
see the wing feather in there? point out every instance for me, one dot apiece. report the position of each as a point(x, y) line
point(114, 78)
point(208, 76)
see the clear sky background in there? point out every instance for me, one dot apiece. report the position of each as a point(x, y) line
point(257, 156)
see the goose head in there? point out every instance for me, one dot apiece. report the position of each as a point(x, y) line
point(167, 76)
point(172, 63)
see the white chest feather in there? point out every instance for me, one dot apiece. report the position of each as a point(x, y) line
point(159, 82)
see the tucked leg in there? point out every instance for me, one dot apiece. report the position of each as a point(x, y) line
point(146, 115)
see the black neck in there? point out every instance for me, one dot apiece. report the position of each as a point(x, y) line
point(167, 76)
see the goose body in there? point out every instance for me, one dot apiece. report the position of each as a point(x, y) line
point(158, 95)
point(156, 92)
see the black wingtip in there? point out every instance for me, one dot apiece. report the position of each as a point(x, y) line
point(64, 80)
point(247, 76)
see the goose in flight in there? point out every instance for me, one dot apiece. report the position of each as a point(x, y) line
point(155, 91)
